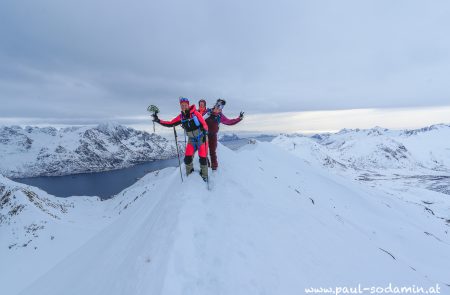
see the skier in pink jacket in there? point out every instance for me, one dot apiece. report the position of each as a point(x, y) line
point(213, 121)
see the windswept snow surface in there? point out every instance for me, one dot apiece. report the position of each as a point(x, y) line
point(273, 224)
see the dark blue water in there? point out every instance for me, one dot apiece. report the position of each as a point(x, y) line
point(103, 184)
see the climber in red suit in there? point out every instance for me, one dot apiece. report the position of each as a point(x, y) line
point(196, 130)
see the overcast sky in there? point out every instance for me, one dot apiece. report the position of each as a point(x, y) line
point(76, 62)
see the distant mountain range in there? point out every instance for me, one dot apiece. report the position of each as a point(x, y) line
point(233, 137)
point(34, 151)
point(417, 157)
point(377, 148)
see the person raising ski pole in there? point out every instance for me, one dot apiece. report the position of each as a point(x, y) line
point(196, 130)
point(215, 118)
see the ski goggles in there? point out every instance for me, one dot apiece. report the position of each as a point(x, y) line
point(218, 106)
point(184, 99)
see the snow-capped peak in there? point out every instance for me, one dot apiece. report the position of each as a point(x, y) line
point(36, 151)
point(110, 127)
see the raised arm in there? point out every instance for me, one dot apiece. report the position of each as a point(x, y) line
point(227, 121)
point(174, 122)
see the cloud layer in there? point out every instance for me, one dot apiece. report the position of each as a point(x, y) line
point(87, 60)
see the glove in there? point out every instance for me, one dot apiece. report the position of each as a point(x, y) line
point(241, 115)
point(205, 136)
point(155, 118)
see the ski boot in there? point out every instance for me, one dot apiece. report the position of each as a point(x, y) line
point(204, 172)
point(189, 168)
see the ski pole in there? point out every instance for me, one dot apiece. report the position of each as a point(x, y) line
point(178, 151)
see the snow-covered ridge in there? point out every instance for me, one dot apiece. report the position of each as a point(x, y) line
point(273, 224)
point(26, 211)
point(379, 156)
point(34, 151)
point(378, 148)
point(37, 230)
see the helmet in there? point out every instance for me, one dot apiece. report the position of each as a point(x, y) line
point(184, 99)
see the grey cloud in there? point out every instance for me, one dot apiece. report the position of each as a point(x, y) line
point(100, 59)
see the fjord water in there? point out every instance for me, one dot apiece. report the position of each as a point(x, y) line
point(102, 184)
point(108, 183)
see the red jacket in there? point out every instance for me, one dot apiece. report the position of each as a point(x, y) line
point(187, 120)
point(203, 111)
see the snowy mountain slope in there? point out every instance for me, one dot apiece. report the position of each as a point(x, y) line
point(430, 145)
point(310, 150)
point(34, 151)
point(273, 224)
point(411, 158)
point(382, 148)
point(18, 201)
point(357, 152)
point(37, 230)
